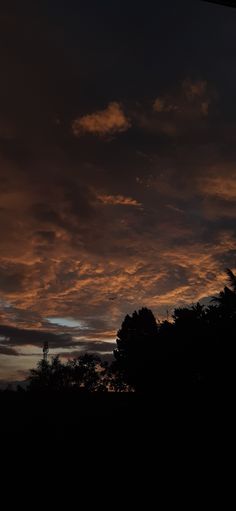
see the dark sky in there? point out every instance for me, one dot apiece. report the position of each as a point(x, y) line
point(117, 167)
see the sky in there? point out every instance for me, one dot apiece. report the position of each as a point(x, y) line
point(117, 168)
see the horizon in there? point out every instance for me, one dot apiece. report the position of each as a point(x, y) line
point(118, 169)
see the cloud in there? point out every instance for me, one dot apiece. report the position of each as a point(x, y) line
point(174, 208)
point(183, 112)
point(72, 254)
point(103, 122)
point(194, 89)
point(223, 187)
point(118, 200)
point(163, 105)
point(45, 236)
point(96, 347)
point(19, 337)
point(5, 350)
point(12, 277)
point(191, 100)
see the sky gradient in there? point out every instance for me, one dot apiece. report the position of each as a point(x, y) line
point(117, 167)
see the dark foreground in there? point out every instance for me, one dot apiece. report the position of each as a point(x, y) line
point(97, 415)
point(177, 440)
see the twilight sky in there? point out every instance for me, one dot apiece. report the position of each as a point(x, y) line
point(117, 167)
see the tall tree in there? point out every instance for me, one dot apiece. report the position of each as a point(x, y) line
point(136, 344)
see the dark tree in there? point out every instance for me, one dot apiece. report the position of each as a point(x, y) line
point(136, 347)
point(86, 373)
point(48, 376)
point(226, 300)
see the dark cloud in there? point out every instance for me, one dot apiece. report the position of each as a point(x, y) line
point(46, 214)
point(99, 348)
point(12, 277)
point(5, 350)
point(48, 236)
point(20, 337)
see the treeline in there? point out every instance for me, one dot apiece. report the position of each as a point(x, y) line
point(195, 348)
point(86, 373)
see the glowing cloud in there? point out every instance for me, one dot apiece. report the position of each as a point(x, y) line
point(103, 122)
point(119, 200)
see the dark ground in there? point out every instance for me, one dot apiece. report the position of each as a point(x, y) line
point(104, 447)
point(59, 414)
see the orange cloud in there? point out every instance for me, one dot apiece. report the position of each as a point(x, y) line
point(119, 200)
point(103, 122)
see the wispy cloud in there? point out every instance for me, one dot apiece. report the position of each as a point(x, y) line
point(120, 200)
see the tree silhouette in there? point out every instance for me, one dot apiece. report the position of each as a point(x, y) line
point(83, 373)
point(226, 299)
point(232, 279)
point(48, 376)
point(136, 341)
